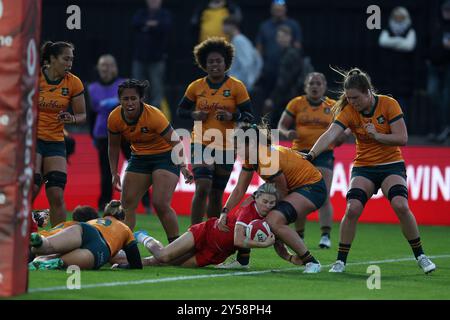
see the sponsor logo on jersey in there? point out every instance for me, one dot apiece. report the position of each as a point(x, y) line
point(381, 120)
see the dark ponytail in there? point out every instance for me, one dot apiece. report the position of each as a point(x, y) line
point(50, 48)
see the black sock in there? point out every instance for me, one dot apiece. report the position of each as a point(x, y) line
point(326, 231)
point(307, 257)
point(31, 255)
point(343, 252)
point(243, 256)
point(172, 239)
point(301, 233)
point(416, 246)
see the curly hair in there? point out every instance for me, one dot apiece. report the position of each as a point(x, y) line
point(214, 44)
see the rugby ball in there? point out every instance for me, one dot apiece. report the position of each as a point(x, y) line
point(258, 230)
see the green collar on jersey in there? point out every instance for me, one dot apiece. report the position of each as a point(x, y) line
point(372, 111)
point(55, 82)
point(313, 103)
point(217, 85)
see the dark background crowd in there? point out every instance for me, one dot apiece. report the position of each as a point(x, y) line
point(408, 57)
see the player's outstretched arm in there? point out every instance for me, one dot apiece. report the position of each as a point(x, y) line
point(327, 138)
point(343, 137)
point(245, 177)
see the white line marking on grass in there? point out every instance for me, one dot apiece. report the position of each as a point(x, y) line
point(216, 275)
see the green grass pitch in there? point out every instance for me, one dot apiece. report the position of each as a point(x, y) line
point(270, 277)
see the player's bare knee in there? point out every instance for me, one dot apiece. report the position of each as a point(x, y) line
point(129, 203)
point(161, 255)
point(354, 210)
point(327, 204)
point(398, 196)
point(161, 206)
point(202, 189)
point(356, 200)
point(400, 206)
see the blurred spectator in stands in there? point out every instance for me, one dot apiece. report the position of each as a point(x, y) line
point(439, 73)
point(247, 63)
point(208, 17)
point(399, 42)
point(289, 70)
point(152, 27)
point(102, 100)
point(266, 43)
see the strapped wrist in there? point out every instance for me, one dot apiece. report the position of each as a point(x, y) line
point(311, 155)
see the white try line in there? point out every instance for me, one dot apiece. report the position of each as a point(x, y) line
point(216, 275)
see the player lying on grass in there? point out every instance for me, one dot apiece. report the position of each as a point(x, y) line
point(40, 219)
point(79, 214)
point(204, 244)
point(89, 245)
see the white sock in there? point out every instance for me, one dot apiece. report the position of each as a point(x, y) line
point(146, 240)
point(141, 238)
